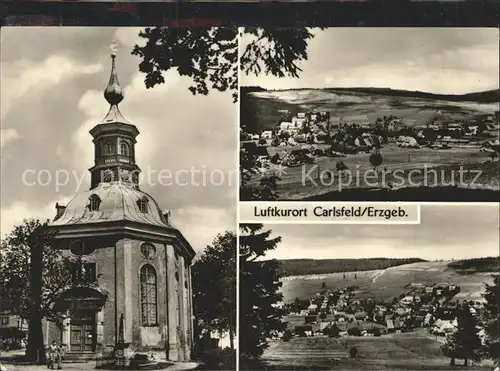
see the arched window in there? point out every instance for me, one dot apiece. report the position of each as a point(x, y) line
point(94, 203)
point(109, 148)
point(148, 296)
point(142, 203)
point(124, 149)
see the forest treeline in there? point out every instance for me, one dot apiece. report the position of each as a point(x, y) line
point(299, 267)
point(487, 264)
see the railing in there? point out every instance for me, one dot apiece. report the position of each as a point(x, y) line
point(117, 158)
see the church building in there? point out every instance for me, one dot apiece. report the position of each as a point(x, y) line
point(131, 275)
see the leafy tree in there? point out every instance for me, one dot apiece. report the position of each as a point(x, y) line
point(265, 189)
point(32, 276)
point(323, 285)
point(465, 342)
point(287, 335)
point(214, 288)
point(333, 331)
point(353, 351)
point(209, 56)
point(490, 318)
point(259, 283)
point(354, 331)
point(370, 308)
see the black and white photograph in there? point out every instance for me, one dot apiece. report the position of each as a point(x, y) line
point(118, 204)
point(372, 297)
point(369, 114)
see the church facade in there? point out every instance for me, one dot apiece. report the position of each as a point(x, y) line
point(131, 270)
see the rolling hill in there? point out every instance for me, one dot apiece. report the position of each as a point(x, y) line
point(385, 284)
point(296, 267)
point(263, 109)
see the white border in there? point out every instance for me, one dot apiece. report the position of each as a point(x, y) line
point(238, 124)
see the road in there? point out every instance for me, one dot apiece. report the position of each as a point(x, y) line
point(378, 275)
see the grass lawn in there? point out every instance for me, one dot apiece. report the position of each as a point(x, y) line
point(408, 351)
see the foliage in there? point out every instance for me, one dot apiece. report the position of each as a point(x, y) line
point(260, 318)
point(354, 331)
point(489, 264)
point(287, 335)
point(214, 287)
point(353, 351)
point(465, 342)
point(209, 56)
point(333, 331)
point(294, 267)
point(32, 276)
point(266, 187)
point(15, 279)
point(491, 318)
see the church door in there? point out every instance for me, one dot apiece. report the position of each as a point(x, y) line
point(83, 332)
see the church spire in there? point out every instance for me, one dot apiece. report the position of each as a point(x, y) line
point(113, 92)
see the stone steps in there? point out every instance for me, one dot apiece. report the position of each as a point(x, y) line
point(79, 357)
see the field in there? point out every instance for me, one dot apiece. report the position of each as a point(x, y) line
point(261, 110)
point(406, 351)
point(388, 283)
point(400, 170)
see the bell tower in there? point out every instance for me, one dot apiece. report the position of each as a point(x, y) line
point(114, 139)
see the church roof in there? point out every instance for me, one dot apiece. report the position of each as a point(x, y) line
point(118, 202)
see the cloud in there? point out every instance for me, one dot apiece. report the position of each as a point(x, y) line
point(7, 136)
point(201, 225)
point(178, 131)
point(27, 77)
point(445, 232)
point(437, 60)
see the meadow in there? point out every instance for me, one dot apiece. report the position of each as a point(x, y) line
point(385, 284)
point(396, 352)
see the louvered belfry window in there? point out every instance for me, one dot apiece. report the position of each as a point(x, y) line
point(148, 296)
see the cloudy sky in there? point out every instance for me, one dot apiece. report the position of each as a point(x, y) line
point(52, 95)
point(446, 232)
point(436, 60)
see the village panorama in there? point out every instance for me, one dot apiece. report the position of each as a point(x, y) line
point(384, 297)
point(347, 129)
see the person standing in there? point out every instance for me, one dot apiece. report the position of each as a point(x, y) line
point(54, 356)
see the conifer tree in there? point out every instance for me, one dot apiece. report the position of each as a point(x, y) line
point(465, 342)
point(490, 318)
point(259, 284)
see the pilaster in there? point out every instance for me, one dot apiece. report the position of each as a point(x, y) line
point(171, 305)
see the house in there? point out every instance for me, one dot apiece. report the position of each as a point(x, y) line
point(429, 289)
point(400, 311)
point(361, 316)
point(12, 327)
point(323, 325)
point(304, 312)
point(267, 134)
point(360, 120)
point(407, 300)
point(286, 126)
point(312, 307)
